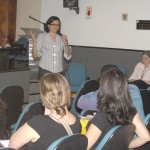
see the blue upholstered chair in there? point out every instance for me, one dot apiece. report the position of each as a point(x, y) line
point(70, 142)
point(13, 95)
point(86, 87)
point(2, 124)
point(137, 99)
point(24, 56)
point(33, 108)
point(145, 94)
point(119, 137)
point(122, 68)
point(76, 75)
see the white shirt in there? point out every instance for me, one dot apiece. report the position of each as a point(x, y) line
point(51, 53)
point(138, 71)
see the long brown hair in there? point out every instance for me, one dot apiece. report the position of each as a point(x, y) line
point(114, 98)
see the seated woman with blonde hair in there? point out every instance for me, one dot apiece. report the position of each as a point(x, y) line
point(41, 130)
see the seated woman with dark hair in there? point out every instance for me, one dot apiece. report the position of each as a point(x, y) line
point(115, 107)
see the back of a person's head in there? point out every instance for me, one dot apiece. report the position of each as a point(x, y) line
point(107, 68)
point(146, 52)
point(55, 92)
point(114, 97)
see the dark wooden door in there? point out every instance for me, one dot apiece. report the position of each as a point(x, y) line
point(7, 21)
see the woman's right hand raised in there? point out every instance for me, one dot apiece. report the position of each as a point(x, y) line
point(34, 48)
point(33, 36)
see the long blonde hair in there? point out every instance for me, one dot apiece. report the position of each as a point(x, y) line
point(55, 92)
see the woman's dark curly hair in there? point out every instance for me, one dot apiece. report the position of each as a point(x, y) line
point(114, 98)
point(49, 21)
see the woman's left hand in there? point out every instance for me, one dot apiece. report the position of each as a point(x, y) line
point(64, 38)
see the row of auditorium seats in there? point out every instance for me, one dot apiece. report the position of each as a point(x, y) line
point(119, 133)
point(72, 142)
point(13, 97)
point(21, 54)
point(87, 86)
point(93, 85)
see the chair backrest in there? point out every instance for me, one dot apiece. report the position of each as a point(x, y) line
point(2, 124)
point(70, 142)
point(24, 43)
point(86, 87)
point(119, 137)
point(137, 99)
point(145, 94)
point(122, 68)
point(13, 96)
point(33, 108)
point(147, 121)
point(76, 75)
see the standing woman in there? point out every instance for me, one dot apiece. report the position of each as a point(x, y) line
point(141, 74)
point(50, 47)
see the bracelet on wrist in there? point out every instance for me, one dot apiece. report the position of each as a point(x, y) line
point(66, 45)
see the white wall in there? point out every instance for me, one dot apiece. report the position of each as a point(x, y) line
point(26, 8)
point(106, 28)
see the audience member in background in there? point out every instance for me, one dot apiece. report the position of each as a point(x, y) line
point(115, 107)
point(3, 107)
point(50, 47)
point(89, 100)
point(141, 78)
point(41, 130)
point(141, 74)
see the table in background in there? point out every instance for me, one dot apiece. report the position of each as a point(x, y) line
point(6, 62)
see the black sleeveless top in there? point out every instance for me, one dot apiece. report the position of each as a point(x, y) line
point(49, 130)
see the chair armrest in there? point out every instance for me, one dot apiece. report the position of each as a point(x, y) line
point(83, 112)
point(55, 143)
point(106, 137)
point(13, 126)
point(148, 88)
point(147, 118)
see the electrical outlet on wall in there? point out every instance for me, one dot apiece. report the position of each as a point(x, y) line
point(88, 12)
point(124, 16)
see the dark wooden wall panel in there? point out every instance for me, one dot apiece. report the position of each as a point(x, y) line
point(7, 21)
